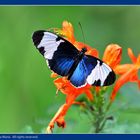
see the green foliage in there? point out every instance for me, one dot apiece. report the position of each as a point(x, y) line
point(27, 93)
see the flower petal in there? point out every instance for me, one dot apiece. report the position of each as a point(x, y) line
point(59, 116)
point(121, 69)
point(64, 85)
point(61, 122)
point(126, 77)
point(131, 55)
point(138, 62)
point(112, 55)
point(54, 75)
point(67, 30)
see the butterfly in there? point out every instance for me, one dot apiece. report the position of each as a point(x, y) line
point(64, 59)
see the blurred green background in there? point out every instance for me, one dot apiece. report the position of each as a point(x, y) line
point(27, 93)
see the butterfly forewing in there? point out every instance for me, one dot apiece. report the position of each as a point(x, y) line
point(59, 53)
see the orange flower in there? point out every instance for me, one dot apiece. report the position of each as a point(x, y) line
point(128, 73)
point(112, 55)
point(72, 93)
point(67, 30)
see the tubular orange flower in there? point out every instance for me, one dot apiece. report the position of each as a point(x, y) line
point(112, 55)
point(128, 72)
point(67, 30)
point(72, 93)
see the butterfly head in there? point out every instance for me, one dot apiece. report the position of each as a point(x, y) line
point(84, 50)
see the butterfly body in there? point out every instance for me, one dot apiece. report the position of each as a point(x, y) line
point(65, 60)
point(76, 62)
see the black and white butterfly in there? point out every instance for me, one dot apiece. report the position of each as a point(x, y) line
point(65, 60)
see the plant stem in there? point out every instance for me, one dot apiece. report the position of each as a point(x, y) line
point(100, 120)
point(98, 111)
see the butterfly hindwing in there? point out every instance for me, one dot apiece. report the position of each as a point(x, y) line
point(79, 76)
point(101, 74)
point(58, 52)
point(93, 71)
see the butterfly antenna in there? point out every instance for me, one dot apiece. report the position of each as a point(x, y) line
point(82, 32)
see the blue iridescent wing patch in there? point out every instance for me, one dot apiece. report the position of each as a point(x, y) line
point(79, 75)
